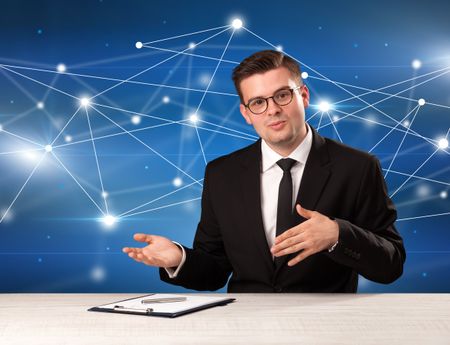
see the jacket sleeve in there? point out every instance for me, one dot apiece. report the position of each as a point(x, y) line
point(206, 266)
point(373, 247)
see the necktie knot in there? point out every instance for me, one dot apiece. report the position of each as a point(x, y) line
point(286, 164)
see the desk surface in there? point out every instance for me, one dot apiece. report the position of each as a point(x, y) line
point(252, 319)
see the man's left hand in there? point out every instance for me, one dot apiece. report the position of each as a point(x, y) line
point(315, 234)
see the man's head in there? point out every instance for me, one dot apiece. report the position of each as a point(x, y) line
point(273, 98)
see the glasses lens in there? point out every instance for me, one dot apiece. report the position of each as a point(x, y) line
point(283, 97)
point(258, 105)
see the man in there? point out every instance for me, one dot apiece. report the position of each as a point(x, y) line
point(293, 212)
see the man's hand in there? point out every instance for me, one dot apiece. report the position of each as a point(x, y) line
point(159, 252)
point(315, 234)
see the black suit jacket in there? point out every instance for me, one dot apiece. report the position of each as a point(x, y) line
point(338, 181)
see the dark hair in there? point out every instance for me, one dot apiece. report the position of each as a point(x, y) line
point(261, 62)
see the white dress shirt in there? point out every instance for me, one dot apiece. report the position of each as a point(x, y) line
point(271, 175)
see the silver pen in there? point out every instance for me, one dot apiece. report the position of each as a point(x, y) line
point(163, 300)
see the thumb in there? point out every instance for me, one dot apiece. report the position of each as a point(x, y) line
point(143, 238)
point(304, 212)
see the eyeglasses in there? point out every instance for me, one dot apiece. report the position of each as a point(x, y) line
point(260, 104)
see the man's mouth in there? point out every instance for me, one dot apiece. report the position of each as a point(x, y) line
point(276, 124)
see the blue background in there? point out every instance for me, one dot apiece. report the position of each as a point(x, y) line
point(52, 239)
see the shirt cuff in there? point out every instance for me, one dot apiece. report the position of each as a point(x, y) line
point(173, 272)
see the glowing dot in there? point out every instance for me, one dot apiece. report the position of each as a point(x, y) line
point(98, 274)
point(416, 64)
point(335, 118)
point(324, 106)
point(139, 45)
point(279, 48)
point(68, 138)
point(48, 148)
point(109, 220)
point(6, 215)
point(424, 274)
point(61, 68)
point(305, 75)
point(136, 119)
point(40, 105)
point(236, 23)
point(443, 143)
point(423, 191)
point(166, 99)
point(421, 102)
point(193, 118)
point(85, 101)
point(443, 194)
point(192, 45)
point(104, 195)
point(30, 156)
point(406, 123)
point(177, 182)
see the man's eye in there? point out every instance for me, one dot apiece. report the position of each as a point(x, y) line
point(282, 95)
point(257, 102)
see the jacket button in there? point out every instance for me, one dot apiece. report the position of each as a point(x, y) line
point(278, 288)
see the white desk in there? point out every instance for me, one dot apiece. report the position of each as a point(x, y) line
point(252, 319)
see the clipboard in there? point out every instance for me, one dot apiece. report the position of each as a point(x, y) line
point(192, 303)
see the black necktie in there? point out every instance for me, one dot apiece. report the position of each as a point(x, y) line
point(284, 208)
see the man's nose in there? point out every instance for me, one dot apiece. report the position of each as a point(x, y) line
point(272, 107)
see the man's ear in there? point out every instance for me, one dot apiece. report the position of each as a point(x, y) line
point(243, 110)
point(305, 96)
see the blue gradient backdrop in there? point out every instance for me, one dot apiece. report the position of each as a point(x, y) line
point(52, 239)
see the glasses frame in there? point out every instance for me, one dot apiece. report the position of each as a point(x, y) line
point(266, 99)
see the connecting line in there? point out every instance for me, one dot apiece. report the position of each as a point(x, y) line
point(401, 143)
point(392, 129)
point(120, 80)
point(414, 173)
point(191, 54)
point(17, 117)
point(23, 186)
point(394, 120)
point(96, 161)
point(21, 151)
point(65, 126)
point(151, 149)
point(335, 129)
point(159, 63)
point(313, 116)
point(342, 88)
point(207, 88)
point(79, 185)
point(421, 178)
point(188, 34)
point(425, 216)
point(157, 199)
point(320, 121)
point(21, 138)
point(38, 82)
point(162, 207)
point(370, 91)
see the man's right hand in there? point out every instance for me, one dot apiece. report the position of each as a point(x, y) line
point(159, 252)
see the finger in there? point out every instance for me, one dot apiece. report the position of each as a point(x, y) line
point(134, 256)
point(292, 249)
point(302, 256)
point(143, 238)
point(130, 250)
point(304, 212)
point(288, 242)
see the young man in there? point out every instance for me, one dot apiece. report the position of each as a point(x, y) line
point(293, 212)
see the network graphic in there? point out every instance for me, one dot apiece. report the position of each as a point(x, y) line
point(132, 144)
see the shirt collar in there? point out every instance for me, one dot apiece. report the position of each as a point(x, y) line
point(300, 154)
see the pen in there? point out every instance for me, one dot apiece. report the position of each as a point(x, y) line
point(163, 300)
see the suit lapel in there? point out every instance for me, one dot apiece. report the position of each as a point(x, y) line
point(314, 179)
point(251, 190)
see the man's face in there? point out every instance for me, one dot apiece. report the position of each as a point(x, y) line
point(282, 127)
